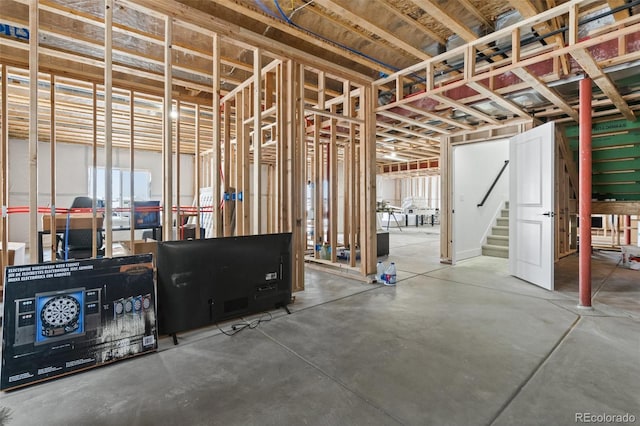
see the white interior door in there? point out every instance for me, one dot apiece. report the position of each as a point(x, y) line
point(531, 206)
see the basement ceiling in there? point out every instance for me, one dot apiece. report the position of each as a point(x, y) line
point(392, 41)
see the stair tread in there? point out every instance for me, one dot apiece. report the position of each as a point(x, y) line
point(499, 237)
point(500, 227)
point(494, 247)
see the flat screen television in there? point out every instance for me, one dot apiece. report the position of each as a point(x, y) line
point(146, 214)
point(201, 282)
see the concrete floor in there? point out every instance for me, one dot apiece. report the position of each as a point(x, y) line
point(463, 345)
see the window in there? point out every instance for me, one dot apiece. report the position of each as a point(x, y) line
point(120, 180)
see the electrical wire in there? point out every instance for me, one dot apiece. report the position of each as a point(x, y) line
point(238, 327)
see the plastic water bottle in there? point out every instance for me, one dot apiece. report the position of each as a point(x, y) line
point(380, 271)
point(390, 274)
point(324, 251)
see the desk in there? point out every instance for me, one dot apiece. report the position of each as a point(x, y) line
point(156, 232)
point(76, 221)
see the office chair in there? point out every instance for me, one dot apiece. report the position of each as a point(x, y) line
point(82, 203)
point(78, 243)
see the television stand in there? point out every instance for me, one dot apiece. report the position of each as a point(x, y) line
point(283, 306)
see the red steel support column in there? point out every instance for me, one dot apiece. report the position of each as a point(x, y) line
point(585, 193)
point(627, 229)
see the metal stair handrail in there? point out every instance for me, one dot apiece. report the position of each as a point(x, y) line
point(506, 163)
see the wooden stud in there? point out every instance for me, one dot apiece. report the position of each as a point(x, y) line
point(430, 82)
point(33, 130)
point(280, 137)
point(132, 138)
point(256, 202)
point(353, 192)
point(94, 165)
point(469, 62)
point(270, 88)
point(446, 188)
point(198, 179)
point(573, 24)
point(52, 154)
point(318, 213)
point(246, 161)
point(226, 161)
point(346, 196)
point(368, 243)
point(288, 144)
point(4, 178)
point(108, 126)
point(178, 169)
point(515, 46)
point(167, 145)
point(299, 182)
point(269, 206)
point(333, 188)
point(217, 142)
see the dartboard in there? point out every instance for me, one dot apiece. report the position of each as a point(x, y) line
point(128, 305)
point(137, 304)
point(146, 303)
point(60, 311)
point(118, 307)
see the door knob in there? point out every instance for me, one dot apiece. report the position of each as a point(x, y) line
point(550, 214)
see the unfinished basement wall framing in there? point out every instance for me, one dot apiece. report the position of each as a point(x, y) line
point(566, 200)
point(339, 190)
point(249, 140)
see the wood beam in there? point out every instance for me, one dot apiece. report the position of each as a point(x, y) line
point(602, 80)
point(528, 10)
point(433, 8)
point(551, 95)
point(192, 16)
point(413, 122)
point(434, 116)
point(407, 131)
point(464, 108)
point(616, 207)
point(412, 23)
point(503, 102)
point(476, 12)
point(369, 26)
point(621, 14)
point(300, 34)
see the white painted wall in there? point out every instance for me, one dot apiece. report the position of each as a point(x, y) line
point(72, 177)
point(475, 166)
point(395, 190)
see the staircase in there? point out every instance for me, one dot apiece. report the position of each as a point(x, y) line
point(498, 241)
